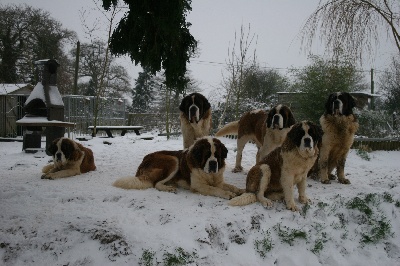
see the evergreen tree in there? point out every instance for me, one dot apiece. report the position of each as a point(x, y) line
point(143, 93)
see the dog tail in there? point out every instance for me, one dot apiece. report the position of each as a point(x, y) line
point(244, 199)
point(231, 128)
point(132, 183)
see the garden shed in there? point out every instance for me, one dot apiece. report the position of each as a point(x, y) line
point(12, 99)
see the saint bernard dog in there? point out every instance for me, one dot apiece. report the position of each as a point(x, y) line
point(69, 158)
point(195, 118)
point(199, 168)
point(267, 129)
point(339, 125)
point(274, 176)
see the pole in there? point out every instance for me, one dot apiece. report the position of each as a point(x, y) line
point(78, 49)
point(372, 89)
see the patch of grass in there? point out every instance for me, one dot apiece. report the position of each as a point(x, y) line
point(397, 204)
point(288, 235)
point(180, 257)
point(380, 230)
point(147, 258)
point(387, 197)
point(359, 204)
point(319, 243)
point(304, 210)
point(363, 154)
point(264, 245)
point(322, 205)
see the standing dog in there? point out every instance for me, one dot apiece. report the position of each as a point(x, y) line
point(69, 158)
point(199, 168)
point(267, 129)
point(195, 117)
point(286, 166)
point(339, 125)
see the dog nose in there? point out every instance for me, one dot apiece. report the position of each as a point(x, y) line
point(307, 142)
point(212, 166)
point(58, 155)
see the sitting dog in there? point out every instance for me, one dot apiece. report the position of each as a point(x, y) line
point(339, 125)
point(199, 168)
point(274, 176)
point(267, 129)
point(195, 117)
point(69, 158)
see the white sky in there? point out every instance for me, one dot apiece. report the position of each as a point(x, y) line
point(214, 22)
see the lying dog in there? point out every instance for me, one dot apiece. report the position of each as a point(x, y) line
point(199, 168)
point(267, 129)
point(339, 125)
point(286, 166)
point(69, 158)
point(195, 117)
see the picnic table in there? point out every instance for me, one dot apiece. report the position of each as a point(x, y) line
point(123, 129)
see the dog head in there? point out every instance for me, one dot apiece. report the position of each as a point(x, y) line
point(194, 106)
point(64, 150)
point(280, 117)
point(305, 136)
point(208, 154)
point(340, 103)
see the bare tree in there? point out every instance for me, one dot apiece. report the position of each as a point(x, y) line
point(353, 26)
point(239, 64)
point(105, 66)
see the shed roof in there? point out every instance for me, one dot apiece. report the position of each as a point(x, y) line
point(14, 88)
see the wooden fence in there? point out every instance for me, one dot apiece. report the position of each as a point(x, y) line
point(155, 121)
point(375, 144)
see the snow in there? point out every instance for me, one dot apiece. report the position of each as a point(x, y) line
point(10, 88)
point(83, 220)
point(38, 93)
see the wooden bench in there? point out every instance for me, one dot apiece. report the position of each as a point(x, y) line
point(123, 129)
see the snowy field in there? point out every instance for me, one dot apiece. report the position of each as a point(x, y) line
point(83, 220)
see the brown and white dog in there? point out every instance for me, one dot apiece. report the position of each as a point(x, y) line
point(69, 158)
point(267, 129)
point(195, 117)
point(199, 168)
point(339, 125)
point(274, 176)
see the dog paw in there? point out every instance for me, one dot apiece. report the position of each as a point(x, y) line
point(304, 199)
point(325, 181)
point(344, 181)
point(332, 177)
point(292, 206)
point(267, 203)
point(229, 195)
point(237, 169)
point(48, 176)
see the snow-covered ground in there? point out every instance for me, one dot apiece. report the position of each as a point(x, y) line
point(83, 220)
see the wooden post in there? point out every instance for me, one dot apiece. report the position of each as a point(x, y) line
point(78, 49)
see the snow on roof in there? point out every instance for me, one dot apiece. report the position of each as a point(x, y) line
point(9, 88)
point(38, 93)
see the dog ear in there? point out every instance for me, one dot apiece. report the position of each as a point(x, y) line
point(224, 151)
point(316, 132)
point(269, 117)
point(290, 118)
point(196, 152)
point(182, 105)
point(328, 104)
point(352, 101)
point(53, 147)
